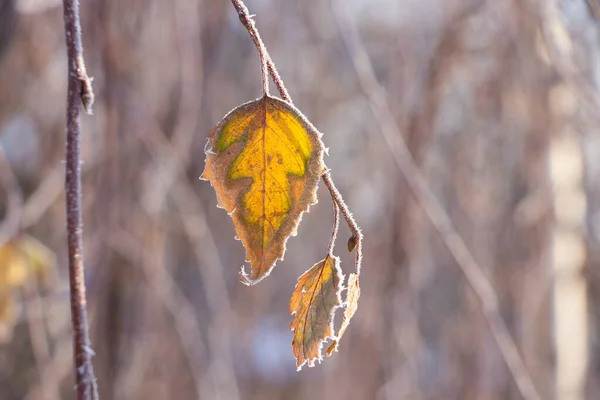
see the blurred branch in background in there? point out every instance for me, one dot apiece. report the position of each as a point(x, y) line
point(440, 220)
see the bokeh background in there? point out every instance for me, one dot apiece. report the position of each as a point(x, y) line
point(497, 102)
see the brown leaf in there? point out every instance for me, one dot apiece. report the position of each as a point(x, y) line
point(313, 304)
point(264, 160)
point(351, 304)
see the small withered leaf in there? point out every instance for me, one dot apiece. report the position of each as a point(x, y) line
point(264, 160)
point(313, 304)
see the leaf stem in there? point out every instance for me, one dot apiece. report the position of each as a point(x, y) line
point(354, 228)
point(79, 90)
point(336, 225)
point(278, 81)
point(248, 22)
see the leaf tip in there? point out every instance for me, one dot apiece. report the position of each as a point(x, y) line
point(203, 177)
point(332, 347)
point(244, 278)
point(247, 280)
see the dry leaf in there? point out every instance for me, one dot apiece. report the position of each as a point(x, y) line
point(351, 304)
point(313, 303)
point(264, 160)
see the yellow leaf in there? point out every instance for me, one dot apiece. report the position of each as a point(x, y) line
point(264, 160)
point(313, 303)
point(13, 268)
point(351, 304)
point(41, 259)
point(21, 259)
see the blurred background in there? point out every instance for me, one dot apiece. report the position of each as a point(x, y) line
point(496, 100)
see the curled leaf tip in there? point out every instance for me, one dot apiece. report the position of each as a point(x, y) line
point(245, 279)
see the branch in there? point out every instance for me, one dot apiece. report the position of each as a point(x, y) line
point(79, 90)
point(357, 237)
point(336, 225)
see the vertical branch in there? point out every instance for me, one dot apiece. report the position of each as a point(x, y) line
point(79, 89)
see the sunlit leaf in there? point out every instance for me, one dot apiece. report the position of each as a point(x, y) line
point(264, 160)
point(40, 259)
point(21, 259)
point(13, 267)
point(313, 303)
point(351, 304)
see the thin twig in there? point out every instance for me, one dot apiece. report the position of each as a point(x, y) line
point(354, 228)
point(248, 22)
point(438, 217)
point(336, 225)
point(79, 89)
point(278, 81)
